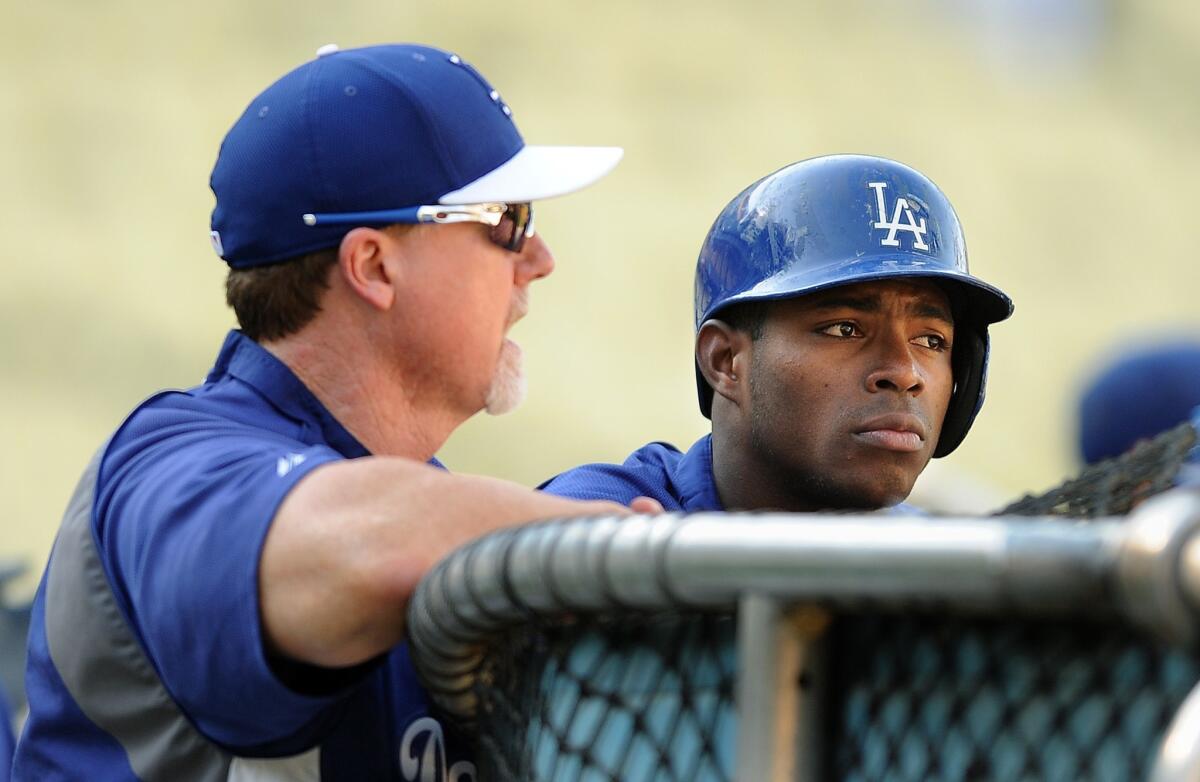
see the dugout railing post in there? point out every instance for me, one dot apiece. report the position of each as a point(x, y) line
point(779, 693)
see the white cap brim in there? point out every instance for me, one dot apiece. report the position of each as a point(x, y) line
point(535, 173)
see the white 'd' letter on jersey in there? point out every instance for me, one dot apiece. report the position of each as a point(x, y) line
point(428, 764)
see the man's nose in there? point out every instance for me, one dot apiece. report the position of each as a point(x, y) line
point(896, 368)
point(535, 261)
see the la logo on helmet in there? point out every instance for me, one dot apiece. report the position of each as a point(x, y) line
point(902, 210)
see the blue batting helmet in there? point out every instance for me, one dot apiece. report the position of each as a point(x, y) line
point(845, 219)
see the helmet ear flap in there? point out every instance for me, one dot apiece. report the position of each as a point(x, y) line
point(969, 364)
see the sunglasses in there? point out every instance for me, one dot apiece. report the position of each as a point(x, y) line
point(511, 224)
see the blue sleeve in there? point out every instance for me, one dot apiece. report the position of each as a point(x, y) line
point(181, 516)
point(610, 482)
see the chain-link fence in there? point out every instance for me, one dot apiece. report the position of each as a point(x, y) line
point(927, 698)
point(1116, 486)
point(623, 698)
point(651, 699)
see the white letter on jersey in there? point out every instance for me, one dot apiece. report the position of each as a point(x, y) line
point(425, 766)
point(894, 225)
point(285, 463)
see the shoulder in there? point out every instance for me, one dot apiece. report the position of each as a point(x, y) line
point(645, 473)
point(200, 423)
point(224, 407)
point(203, 455)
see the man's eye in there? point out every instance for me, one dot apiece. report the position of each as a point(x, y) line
point(844, 329)
point(932, 341)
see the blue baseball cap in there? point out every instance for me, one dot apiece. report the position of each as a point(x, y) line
point(372, 129)
point(1138, 393)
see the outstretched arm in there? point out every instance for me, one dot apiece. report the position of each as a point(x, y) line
point(352, 539)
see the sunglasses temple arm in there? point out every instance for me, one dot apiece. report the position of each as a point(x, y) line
point(412, 214)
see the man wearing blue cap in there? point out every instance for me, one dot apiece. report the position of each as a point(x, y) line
point(226, 595)
point(841, 342)
point(1139, 392)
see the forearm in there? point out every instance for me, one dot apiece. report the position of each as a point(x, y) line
point(352, 540)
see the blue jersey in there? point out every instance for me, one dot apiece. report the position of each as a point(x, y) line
point(146, 658)
point(680, 481)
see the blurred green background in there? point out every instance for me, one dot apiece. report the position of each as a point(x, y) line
point(1064, 131)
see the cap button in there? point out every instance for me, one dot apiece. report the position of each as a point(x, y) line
point(327, 50)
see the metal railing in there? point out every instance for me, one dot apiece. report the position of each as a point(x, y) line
point(1143, 569)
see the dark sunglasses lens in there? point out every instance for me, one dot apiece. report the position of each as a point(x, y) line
point(510, 233)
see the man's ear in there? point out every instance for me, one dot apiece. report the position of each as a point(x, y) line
point(363, 261)
point(723, 355)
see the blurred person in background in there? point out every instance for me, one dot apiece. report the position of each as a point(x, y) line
point(226, 595)
point(841, 342)
point(1138, 392)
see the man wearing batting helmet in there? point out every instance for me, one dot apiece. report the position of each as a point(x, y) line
point(226, 596)
point(841, 342)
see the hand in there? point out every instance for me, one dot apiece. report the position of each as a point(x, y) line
point(642, 505)
point(567, 508)
point(647, 505)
